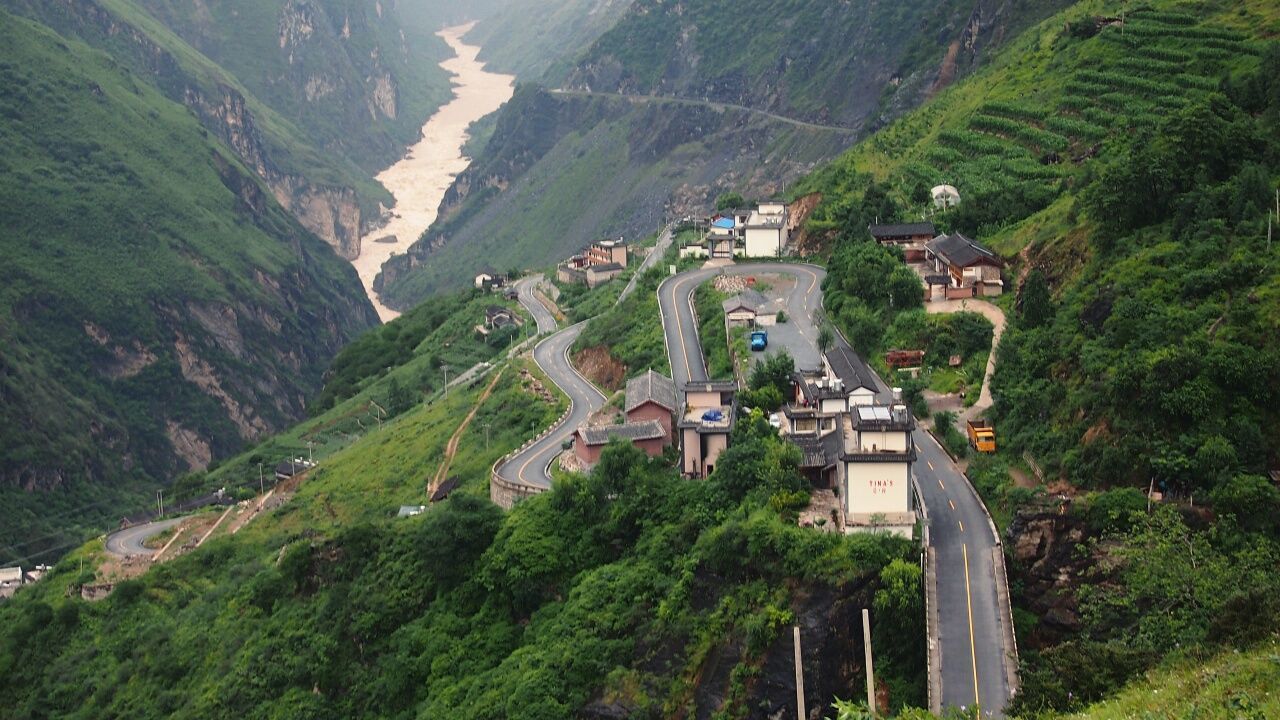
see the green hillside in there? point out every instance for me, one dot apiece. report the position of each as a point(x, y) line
point(540, 40)
point(158, 308)
point(850, 64)
point(631, 590)
point(1122, 160)
point(1140, 194)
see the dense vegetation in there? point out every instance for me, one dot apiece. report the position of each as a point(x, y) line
point(632, 329)
point(1125, 171)
point(629, 589)
point(157, 307)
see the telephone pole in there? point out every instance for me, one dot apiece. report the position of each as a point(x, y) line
point(445, 368)
point(262, 488)
point(871, 673)
point(795, 634)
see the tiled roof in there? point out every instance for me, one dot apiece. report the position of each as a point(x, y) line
point(749, 299)
point(652, 387)
point(849, 367)
point(600, 434)
point(902, 230)
point(959, 251)
point(817, 452)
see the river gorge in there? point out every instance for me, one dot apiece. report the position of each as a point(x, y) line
point(422, 176)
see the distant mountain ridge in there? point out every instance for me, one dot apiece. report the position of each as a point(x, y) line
point(849, 66)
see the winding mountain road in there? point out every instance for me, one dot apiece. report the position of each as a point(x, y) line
point(129, 541)
point(531, 466)
point(714, 105)
point(972, 628)
point(969, 663)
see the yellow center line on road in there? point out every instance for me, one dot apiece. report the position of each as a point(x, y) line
point(931, 467)
point(688, 370)
point(944, 487)
point(961, 522)
point(952, 503)
point(973, 648)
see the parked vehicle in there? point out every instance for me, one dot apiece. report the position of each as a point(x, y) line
point(759, 340)
point(982, 435)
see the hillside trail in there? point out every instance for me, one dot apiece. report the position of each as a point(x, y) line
point(996, 316)
point(451, 449)
point(717, 106)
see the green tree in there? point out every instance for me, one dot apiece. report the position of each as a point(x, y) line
point(826, 338)
point(1035, 304)
point(730, 201)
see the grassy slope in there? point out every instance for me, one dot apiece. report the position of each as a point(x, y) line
point(461, 613)
point(120, 212)
point(1050, 95)
point(1231, 686)
point(806, 58)
point(541, 39)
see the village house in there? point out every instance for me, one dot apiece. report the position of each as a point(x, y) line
point(607, 252)
point(601, 262)
point(496, 317)
point(10, 581)
point(648, 435)
point(876, 469)
point(722, 242)
point(652, 396)
point(649, 406)
point(967, 268)
point(850, 372)
point(911, 237)
point(596, 275)
point(705, 425)
point(766, 233)
point(486, 281)
point(743, 309)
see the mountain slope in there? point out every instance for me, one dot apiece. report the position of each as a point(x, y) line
point(317, 156)
point(670, 156)
point(158, 309)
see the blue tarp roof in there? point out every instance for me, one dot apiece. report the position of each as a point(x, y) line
point(724, 223)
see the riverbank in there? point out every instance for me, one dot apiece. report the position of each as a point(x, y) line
point(422, 176)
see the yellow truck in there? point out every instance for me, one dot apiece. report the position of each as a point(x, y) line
point(982, 435)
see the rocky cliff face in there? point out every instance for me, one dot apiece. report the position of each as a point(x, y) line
point(332, 212)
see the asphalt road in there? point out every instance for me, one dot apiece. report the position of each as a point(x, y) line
point(530, 466)
point(524, 287)
point(970, 624)
point(680, 325)
point(129, 541)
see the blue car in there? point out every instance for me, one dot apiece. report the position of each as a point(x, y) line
point(759, 340)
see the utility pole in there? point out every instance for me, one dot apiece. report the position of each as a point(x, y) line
point(262, 488)
point(445, 368)
point(310, 457)
point(486, 436)
point(871, 674)
point(795, 634)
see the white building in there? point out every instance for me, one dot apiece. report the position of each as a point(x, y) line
point(945, 196)
point(876, 469)
point(766, 230)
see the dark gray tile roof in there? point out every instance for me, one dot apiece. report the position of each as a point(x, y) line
point(749, 299)
point(652, 387)
point(959, 251)
point(600, 434)
point(817, 452)
point(606, 267)
point(849, 367)
point(902, 230)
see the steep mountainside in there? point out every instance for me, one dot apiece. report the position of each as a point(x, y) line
point(849, 64)
point(1124, 163)
point(540, 40)
point(325, 127)
point(158, 308)
point(527, 202)
point(348, 74)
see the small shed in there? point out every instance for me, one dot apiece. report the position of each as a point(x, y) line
point(446, 487)
point(741, 310)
